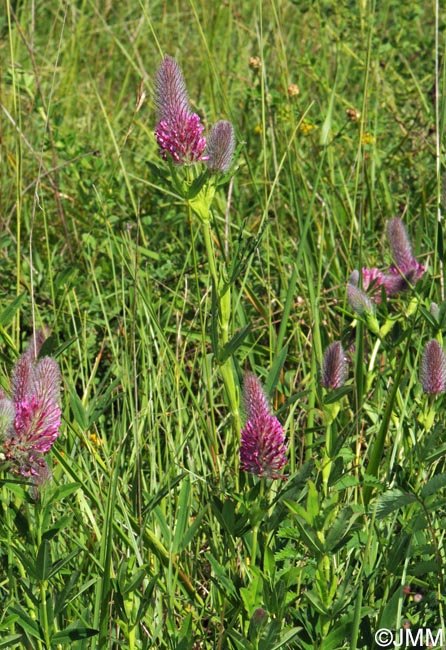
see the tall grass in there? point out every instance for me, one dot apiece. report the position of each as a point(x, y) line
point(149, 536)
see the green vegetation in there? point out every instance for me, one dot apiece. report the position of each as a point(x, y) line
point(149, 536)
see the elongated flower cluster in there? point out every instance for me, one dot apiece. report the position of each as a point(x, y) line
point(406, 270)
point(179, 131)
point(433, 368)
point(263, 445)
point(334, 366)
point(30, 417)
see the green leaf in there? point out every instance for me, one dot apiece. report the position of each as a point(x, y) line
point(398, 552)
point(162, 493)
point(63, 491)
point(197, 184)
point(337, 395)
point(274, 374)
point(28, 625)
point(377, 449)
point(433, 485)
point(287, 637)
point(429, 317)
point(59, 564)
point(316, 602)
point(79, 412)
point(9, 312)
point(190, 533)
point(389, 616)
point(252, 595)
point(74, 632)
point(336, 637)
point(201, 202)
point(312, 501)
point(292, 489)
point(182, 516)
point(338, 535)
point(391, 501)
point(9, 641)
point(231, 346)
point(309, 538)
point(424, 568)
point(63, 595)
point(224, 583)
point(43, 560)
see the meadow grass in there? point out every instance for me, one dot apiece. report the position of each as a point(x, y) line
point(149, 535)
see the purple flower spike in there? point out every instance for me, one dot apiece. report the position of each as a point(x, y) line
point(406, 263)
point(407, 271)
point(178, 130)
point(400, 244)
point(30, 419)
point(263, 446)
point(220, 148)
point(334, 366)
point(433, 368)
point(171, 93)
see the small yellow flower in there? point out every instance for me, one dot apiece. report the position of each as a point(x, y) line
point(95, 439)
point(258, 129)
point(368, 138)
point(306, 127)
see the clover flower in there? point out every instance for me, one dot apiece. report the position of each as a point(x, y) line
point(220, 147)
point(263, 446)
point(178, 130)
point(334, 366)
point(406, 271)
point(30, 417)
point(405, 262)
point(433, 368)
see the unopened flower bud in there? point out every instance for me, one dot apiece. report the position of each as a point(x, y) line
point(220, 147)
point(433, 368)
point(255, 62)
point(293, 90)
point(359, 300)
point(334, 366)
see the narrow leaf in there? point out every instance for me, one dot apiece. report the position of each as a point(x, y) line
point(43, 561)
point(182, 515)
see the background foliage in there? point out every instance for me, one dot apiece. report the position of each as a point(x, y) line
point(144, 539)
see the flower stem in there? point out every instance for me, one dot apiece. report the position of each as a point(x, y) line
point(222, 291)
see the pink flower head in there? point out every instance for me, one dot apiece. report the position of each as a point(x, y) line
point(178, 130)
point(334, 366)
point(30, 419)
point(263, 446)
point(433, 368)
point(371, 278)
point(220, 148)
